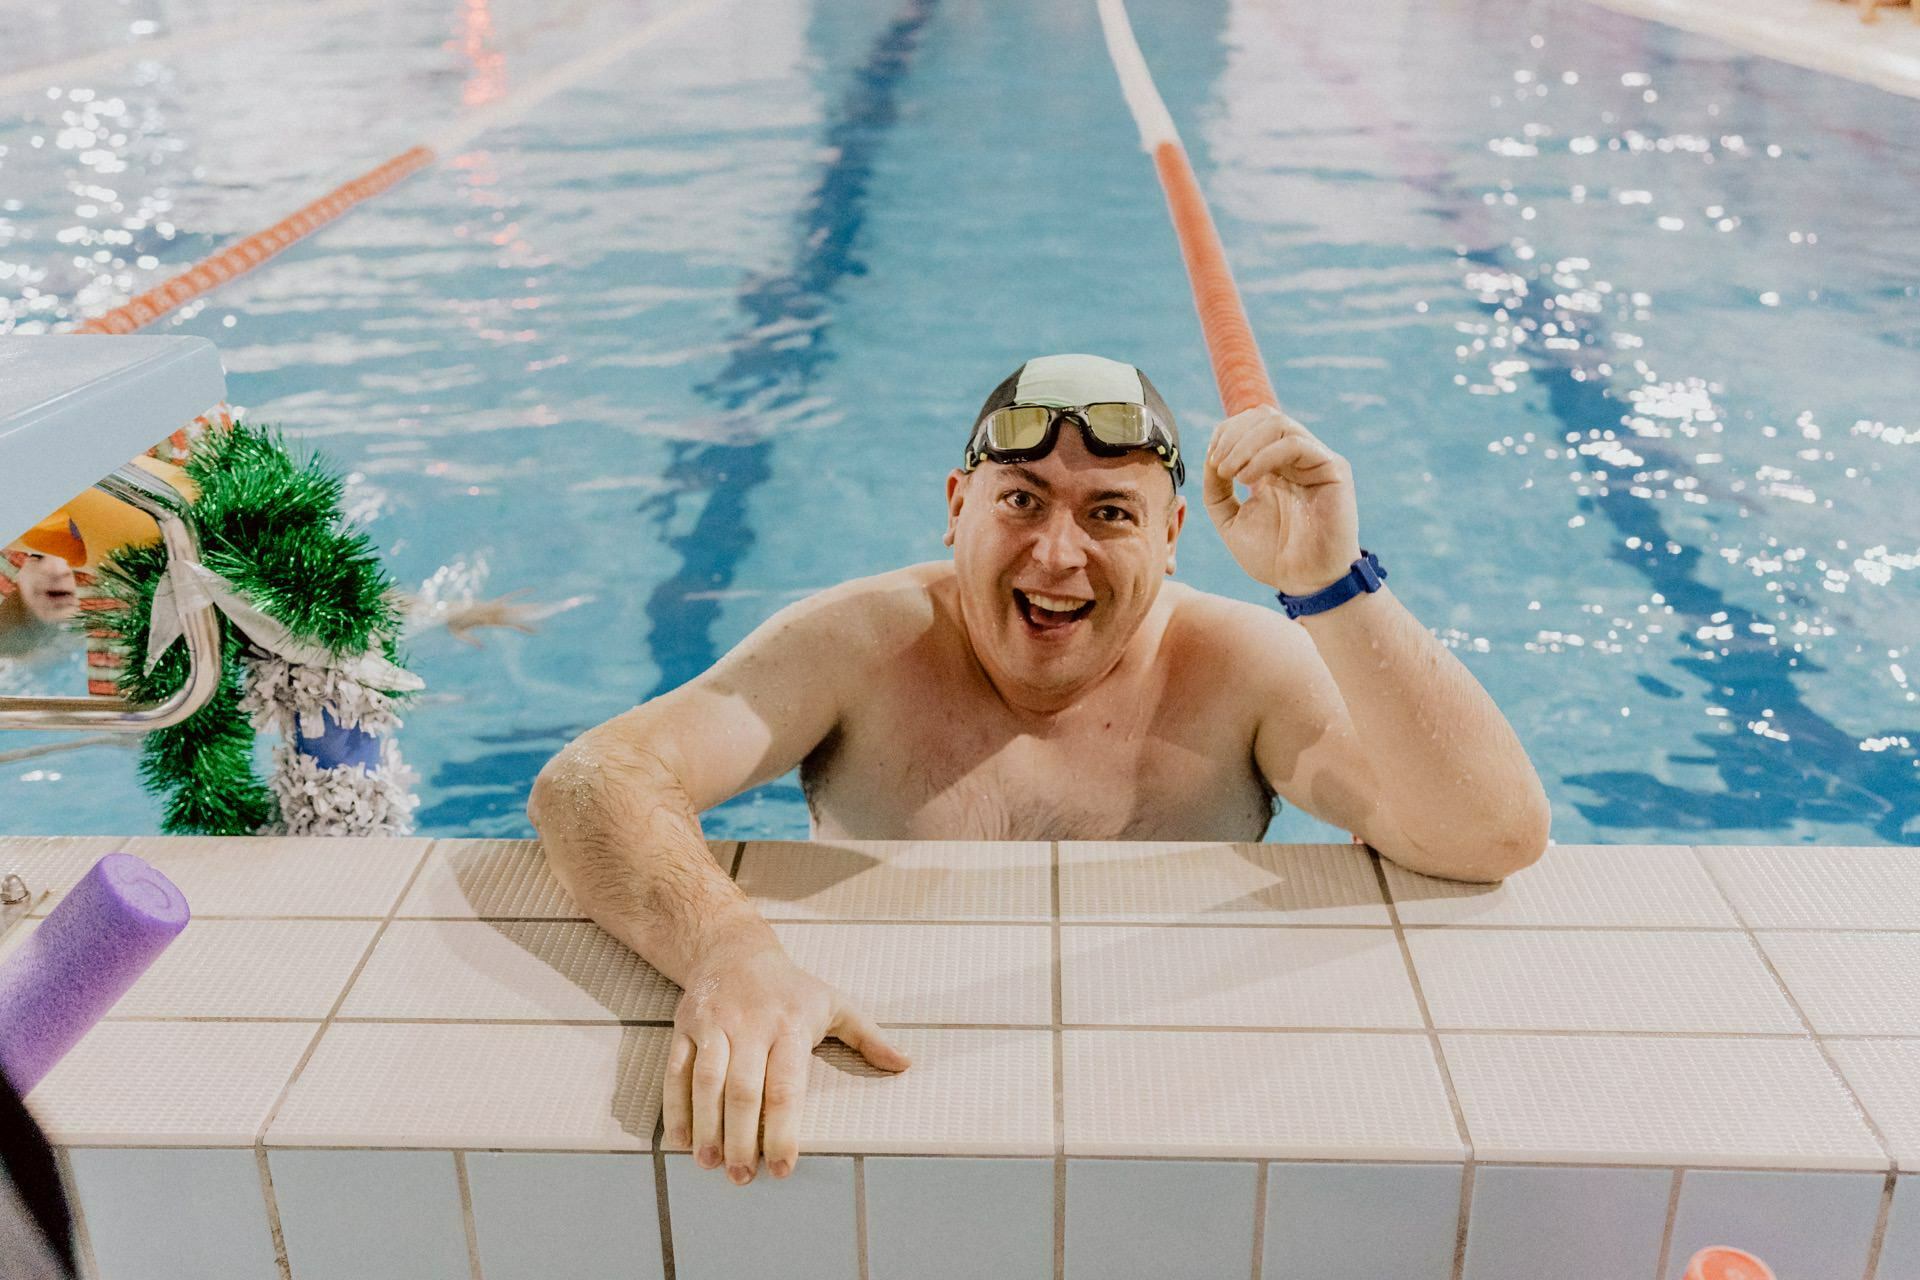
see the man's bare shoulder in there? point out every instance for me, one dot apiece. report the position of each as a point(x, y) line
point(1250, 640)
point(875, 615)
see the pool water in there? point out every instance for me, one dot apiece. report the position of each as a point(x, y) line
point(1618, 326)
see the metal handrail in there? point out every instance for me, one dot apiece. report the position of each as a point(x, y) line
point(202, 629)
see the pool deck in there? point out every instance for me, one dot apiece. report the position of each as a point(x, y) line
point(417, 1058)
point(1823, 35)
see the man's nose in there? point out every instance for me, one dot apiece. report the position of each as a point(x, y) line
point(1061, 543)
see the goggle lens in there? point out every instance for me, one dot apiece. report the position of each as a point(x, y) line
point(1124, 426)
point(1021, 426)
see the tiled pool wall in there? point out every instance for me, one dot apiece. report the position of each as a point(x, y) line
point(417, 1059)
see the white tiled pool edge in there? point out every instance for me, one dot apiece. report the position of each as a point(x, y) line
point(1293, 1198)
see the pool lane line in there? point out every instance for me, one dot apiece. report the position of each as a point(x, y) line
point(776, 356)
point(1760, 791)
point(250, 251)
point(1238, 370)
point(48, 75)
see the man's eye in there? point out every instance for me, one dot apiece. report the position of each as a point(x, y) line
point(1113, 513)
point(1019, 498)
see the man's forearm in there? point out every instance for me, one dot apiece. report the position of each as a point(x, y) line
point(625, 841)
point(1463, 788)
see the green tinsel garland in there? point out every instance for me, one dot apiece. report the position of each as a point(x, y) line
point(271, 525)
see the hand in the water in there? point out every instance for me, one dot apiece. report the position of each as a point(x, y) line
point(462, 620)
point(1299, 529)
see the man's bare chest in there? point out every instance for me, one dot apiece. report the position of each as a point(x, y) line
point(912, 768)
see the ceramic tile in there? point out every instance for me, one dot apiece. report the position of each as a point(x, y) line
point(451, 1085)
point(1851, 984)
point(1885, 1075)
point(1290, 1095)
point(1607, 1223)
point(475, 970)
point(371, 1215)
point(171, 1084)
point(1900, 1251)
point(284, 875)
point(500, 879)
point(800, 1227)
point(1220, 883)
point(1579, 980)
point(1159, 1218)
point(1799, 1224)
point(958, 1219)
point(898, 880)
point(1278, 977)
point(1660, 886)
point(540, 1215)
point(1806, 887)
point(998, 973)
point(174, 1214)
point(1656, 1100)
point(51, 865)
point(250, 969)
point(967, 1093)
point(1325, 1221)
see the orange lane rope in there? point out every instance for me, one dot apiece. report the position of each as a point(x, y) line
point(1238, 370)
point(245, 254)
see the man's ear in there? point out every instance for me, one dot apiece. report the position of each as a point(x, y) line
point(1176, 518)
point(956, 498)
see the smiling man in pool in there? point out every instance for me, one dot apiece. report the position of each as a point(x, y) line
point(1046, 684)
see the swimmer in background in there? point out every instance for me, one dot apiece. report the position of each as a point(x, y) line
point(47, 578)
point(1047, 683)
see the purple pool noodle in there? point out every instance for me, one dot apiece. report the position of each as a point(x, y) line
point(80, 960)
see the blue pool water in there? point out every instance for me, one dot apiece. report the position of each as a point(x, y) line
point(1618, 326)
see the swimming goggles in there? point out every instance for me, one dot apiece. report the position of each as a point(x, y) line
point(1023, 432)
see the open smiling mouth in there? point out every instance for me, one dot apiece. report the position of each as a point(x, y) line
point(1044, 613)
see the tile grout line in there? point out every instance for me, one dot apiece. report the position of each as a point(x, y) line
point(1878, 1241)
point(1143, 1027)
point(1056, 1035)
point(860, 1214)
point(270, 1201)
point(660, 1205)
point(466, 1214)
point(313, 1044)
point(1806, 1023)
point(1666, 1233)
point(1458, 1269)
point(83, 1257)
point(1259, 1217)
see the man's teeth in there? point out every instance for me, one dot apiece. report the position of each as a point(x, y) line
point(1055, 604)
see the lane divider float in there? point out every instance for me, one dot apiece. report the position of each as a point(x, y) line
point(250, 251)
point(1238, 370)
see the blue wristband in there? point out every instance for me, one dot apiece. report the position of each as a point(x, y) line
point(1366, 575)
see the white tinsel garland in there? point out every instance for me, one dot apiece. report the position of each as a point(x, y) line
point(282, 696)
point(344, 801)
point(295, 700)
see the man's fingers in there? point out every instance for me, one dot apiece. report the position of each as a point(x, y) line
point(676, 1094)
point(709, 1092)
point(786, 1087)
point(1299, 458)
point(746, 1073)
point(857, 1032)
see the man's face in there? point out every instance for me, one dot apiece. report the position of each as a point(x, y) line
point(1093, 536)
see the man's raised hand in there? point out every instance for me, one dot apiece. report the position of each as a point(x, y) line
point(743, 1036)
point(1299, 529)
